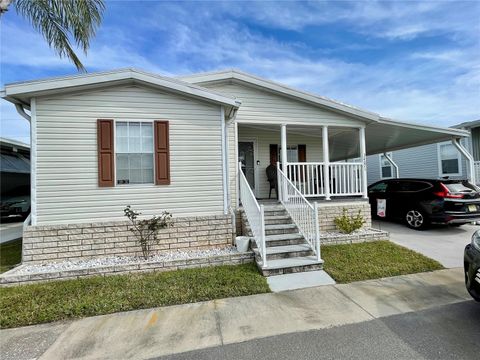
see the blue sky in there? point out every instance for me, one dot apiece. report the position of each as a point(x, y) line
point(413, 61)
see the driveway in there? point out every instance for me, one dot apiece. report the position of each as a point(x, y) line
point(442, 243)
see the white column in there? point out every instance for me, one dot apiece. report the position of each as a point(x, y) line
point(283, 145)
point(326, 162)
point(363, 156)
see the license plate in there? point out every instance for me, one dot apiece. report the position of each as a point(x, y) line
point(472, 208)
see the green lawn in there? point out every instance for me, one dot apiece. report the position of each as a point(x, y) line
point(10, 254)
point(39, 303)
point(373, 260)
point(59, 300)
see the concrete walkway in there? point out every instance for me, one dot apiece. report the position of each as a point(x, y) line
point(151, 333)
point(442, 243)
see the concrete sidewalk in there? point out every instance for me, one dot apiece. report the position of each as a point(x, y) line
point(151, 333)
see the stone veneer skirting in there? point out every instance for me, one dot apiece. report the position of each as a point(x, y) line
point(13, 278)
point(329, 210)
point(46, 243)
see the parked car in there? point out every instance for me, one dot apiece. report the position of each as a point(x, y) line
point(421, 202)
point(471, 262)
point(15, 204)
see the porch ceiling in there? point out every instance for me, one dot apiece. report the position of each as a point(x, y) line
point(381, 136)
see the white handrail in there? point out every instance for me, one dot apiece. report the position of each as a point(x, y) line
point(345, 179)
point(255, 214)
point(303, 214)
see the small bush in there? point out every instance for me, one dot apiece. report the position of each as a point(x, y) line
point(146, 230)
point(349, 223)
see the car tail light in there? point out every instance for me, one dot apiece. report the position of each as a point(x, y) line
point(445, 193)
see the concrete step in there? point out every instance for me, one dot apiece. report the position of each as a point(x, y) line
point(278, 219)
point(284, 239)
point(293, 281)
point(287, 251)
point(277, 229)
point(290, 265)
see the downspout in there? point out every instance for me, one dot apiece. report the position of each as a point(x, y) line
point(231, 120)
point(469, 157)
point(22, 113)
point(390, 160)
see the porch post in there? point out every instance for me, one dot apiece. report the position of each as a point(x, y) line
point(363, 156)
point(326, 163)
point(283, 145)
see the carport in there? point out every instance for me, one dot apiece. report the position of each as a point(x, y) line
point(385, 135)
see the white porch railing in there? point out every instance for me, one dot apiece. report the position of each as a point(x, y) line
point(303, 214)
point(254, 213)
point(476, 165)
point(345, 178)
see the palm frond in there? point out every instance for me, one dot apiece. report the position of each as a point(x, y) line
point(59, 21)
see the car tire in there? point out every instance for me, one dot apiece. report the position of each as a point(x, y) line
point(416, 219)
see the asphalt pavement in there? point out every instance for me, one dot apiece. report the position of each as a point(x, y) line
point(444, 332)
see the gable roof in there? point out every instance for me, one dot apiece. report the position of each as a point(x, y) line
point(21, 92)
point(240, 76)
point(372, 120)
point(467, 125)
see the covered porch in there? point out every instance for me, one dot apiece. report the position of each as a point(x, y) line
point(326, 162)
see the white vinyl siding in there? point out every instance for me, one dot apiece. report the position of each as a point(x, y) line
point(263, 140)
point(67, 181)
point(263, 106)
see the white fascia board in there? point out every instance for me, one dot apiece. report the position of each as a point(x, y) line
point(73, 83)
point(444, 130)
point(282, 89)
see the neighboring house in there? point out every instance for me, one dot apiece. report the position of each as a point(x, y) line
point(102, 141)
point(430, 161)
point(15, 187)
point(14, 166)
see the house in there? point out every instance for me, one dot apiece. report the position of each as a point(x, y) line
point(102, 141)
point(430, 161)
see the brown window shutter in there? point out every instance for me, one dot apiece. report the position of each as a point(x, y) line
point(162, 153)
point(302, 153)
point(273, 154)
point(105, 153)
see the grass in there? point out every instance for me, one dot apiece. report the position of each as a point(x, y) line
point(10, 254)
point(45, 302)
point(373, 260)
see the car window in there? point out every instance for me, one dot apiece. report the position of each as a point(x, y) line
point(412, 185)
point(459, 188)
point(380, 187)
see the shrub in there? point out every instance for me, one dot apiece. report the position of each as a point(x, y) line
point(349, 223)
point(146, 230)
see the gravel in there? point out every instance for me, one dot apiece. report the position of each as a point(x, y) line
point(121, 260)
point(333, 234)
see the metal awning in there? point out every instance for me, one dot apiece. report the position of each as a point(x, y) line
point(14, 164)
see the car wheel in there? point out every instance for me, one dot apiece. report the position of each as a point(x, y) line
point(416, 219)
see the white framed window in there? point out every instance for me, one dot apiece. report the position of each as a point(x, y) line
point(449, 163)
point(134, 152)
point(386, 168)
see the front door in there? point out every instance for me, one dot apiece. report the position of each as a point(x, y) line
point(246, 155)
